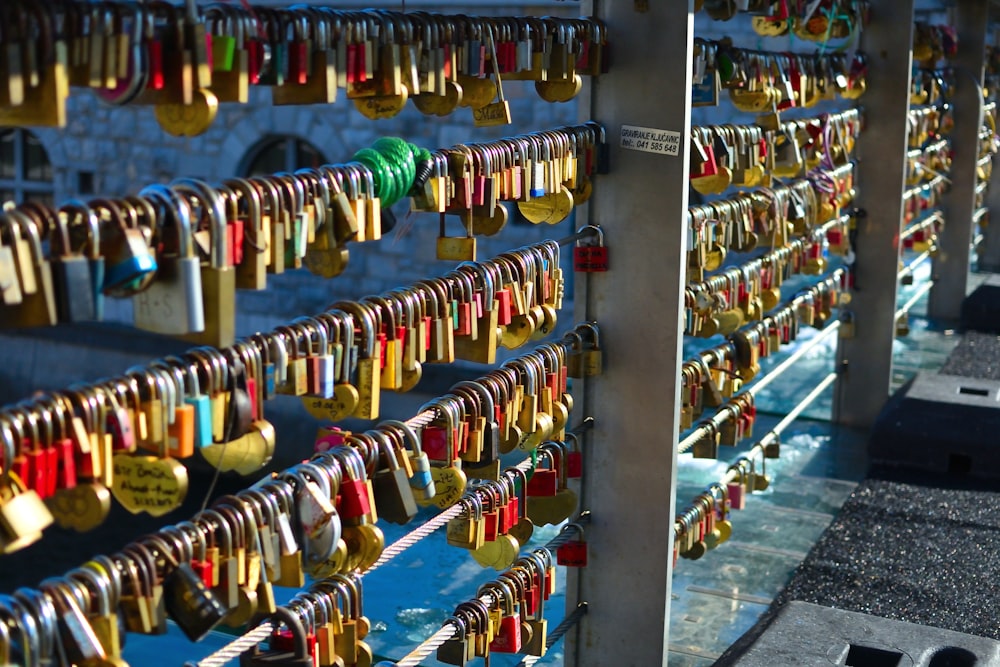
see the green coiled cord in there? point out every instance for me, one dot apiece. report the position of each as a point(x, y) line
point(393, 163)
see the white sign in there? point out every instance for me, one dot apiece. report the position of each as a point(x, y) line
point(651, 140)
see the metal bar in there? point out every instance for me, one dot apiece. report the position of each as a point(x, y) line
point(923, 289)
point(917, 189)
point(951, 265)
point(788, 419)
point(636, 401)
point(866, 359)
point(930, 148)
point(723, 415)
point(772, 435)
point(794, 413)
point(233, 649)
point(827, 331)
point(917, 261)
point(582, 306)
point(449, 629)
point(583, 233)
point(923, 224)
point(557, 633)
point(429, 645)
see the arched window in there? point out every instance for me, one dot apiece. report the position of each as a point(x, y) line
point(25, 169)
point(281, 153)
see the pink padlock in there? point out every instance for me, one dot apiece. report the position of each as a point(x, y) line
point(330, 437)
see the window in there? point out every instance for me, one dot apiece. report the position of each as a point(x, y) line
point(281, 153)
point(85, 182)
point(25, 169)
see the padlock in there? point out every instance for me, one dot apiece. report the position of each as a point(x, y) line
point(172, 304)
point(226, 585)
point(23, 514)
point(572, 553)
point(458, 649)
point(393, 494)
point(846, 319)
point(421, 481)
point(772, 448)
point(298, 657)
point(544, 481)
point(592, 356)
point(103, 617)
point(736, 491)
point(192, 604)
point(71, 271)
point(129, 262)
point(484, 320)
point(218, 276)
point(903, 325)
point(761, 480)
point(508, 638)
point(574, 458)
point(329, 437)
point(537, 643)
point(590, 258)
point(77, 637)
point(553, 508)
point(38, 303)
point(468, 529)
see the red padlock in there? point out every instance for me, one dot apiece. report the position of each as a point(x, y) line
point(504, 315)
point(835, 235)
point(503, 518)
point(352, 62)
point(574, 458)
point(66, 464)
point(544, 482)
point(235, 232)
point(298, 61)
point(155, 53)
point(354, 501)
point(434, 443)
point(736, 491)
point(203, 568)
point(709, 166)
point(491, 518)
point(382, 338)
point(464, 319)
point(284, 641)
point(513, 511)
point(254, 60)
point(32, 467)
point(532, 597)
point(508, 633)
point(574, 552)
point(50, 458)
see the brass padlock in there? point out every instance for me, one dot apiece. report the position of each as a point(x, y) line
point(903, 325)
point(846, 324)
point(38, 305)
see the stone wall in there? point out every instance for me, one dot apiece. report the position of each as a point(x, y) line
point(126, 149)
